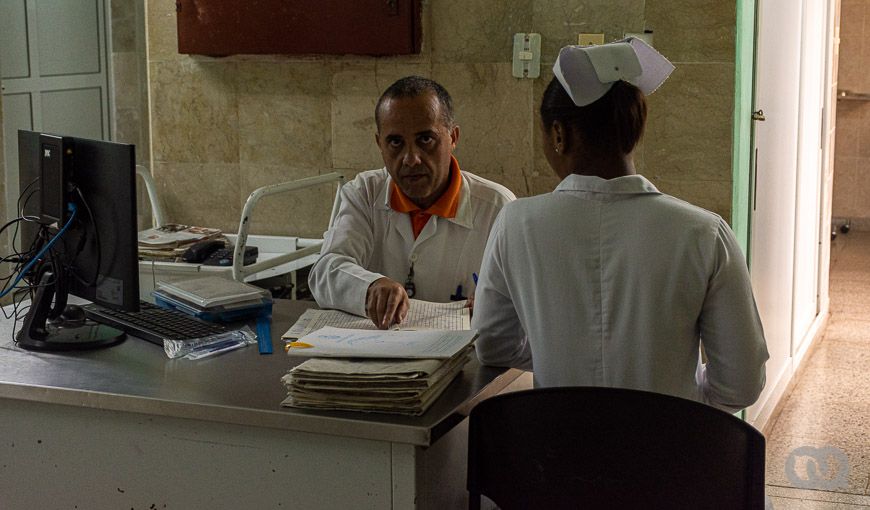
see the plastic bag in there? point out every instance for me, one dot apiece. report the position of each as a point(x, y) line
point(199, 348)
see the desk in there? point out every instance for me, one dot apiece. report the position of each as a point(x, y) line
point(125, 427)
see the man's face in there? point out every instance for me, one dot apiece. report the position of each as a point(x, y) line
point(416, 146)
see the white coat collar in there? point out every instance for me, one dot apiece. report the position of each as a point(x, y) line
point(464, 212)
point(626, 185)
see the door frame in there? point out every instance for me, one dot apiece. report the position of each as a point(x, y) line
point(742, 158)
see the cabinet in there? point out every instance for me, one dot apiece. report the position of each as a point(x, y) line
point(299, 27)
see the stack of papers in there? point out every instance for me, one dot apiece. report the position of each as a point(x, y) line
point(170, 241)
point(367, 369)
point(397, 386)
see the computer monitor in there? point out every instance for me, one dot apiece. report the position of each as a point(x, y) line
point(83, 232)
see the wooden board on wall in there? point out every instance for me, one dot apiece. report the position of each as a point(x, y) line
point(299, 27)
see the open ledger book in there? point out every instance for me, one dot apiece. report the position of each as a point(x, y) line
point(421, 315)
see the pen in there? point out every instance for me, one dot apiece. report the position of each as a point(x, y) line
point(299, 345)
point(214, 346)
point(474, 275)
point(213, 349)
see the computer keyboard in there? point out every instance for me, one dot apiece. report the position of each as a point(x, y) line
point(153, 323)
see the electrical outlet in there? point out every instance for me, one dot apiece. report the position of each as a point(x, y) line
point(590, 39)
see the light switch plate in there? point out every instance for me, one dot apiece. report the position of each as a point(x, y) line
point(590, 39)
point(527, 55)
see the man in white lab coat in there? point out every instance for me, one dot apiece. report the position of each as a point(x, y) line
point(415, 228)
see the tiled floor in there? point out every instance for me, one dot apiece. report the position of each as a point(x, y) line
point(818, 449)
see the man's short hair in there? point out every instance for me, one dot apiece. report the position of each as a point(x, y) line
point(413, 86)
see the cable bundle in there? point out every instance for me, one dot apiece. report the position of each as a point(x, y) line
point(29, 265)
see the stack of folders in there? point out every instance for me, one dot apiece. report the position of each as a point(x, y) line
point(214, 298)
point(397, 371)
point(398, 386)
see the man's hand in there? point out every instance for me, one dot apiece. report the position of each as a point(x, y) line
point(386, 302)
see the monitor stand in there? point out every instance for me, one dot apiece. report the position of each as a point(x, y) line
point(71, 332)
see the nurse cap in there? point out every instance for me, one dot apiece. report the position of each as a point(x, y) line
point(588, 72)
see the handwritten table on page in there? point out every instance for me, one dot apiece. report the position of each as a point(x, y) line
point(421, 315)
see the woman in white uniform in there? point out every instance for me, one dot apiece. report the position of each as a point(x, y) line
point(607, 281)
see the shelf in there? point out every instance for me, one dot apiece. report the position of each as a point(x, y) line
point(299, 27)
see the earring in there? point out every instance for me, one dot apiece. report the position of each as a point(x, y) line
point(556, 149)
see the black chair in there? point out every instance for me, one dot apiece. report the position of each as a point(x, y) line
point(586, 447)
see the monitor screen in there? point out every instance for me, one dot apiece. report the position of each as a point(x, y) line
point(87, 200)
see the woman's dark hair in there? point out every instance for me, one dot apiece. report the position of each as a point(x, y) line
point(613, 122)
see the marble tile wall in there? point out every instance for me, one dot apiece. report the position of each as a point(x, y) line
point(130, 99)
point(222, 127)
point(852, 150)
point(687, 148)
